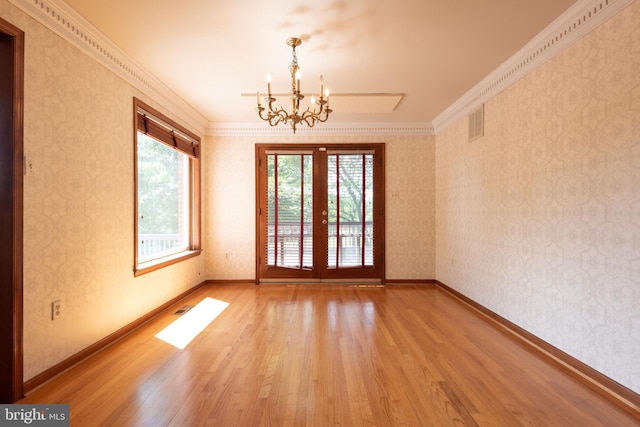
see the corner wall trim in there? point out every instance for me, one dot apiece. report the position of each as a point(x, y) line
point(56, 370)
point(412, 282)
point(335, 129)
point(63, 20)
point(234, 282)
point(611, 390)
point(575, 23)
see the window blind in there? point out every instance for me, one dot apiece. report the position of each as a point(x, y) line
point(166, 132)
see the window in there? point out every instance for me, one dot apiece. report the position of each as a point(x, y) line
point(167, 196)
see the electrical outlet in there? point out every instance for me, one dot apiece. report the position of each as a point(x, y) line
point(56, 309)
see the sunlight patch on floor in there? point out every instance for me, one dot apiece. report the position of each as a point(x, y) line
point(184, 329)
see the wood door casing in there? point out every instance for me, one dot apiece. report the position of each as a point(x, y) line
point(11, 214)
point(321, 269)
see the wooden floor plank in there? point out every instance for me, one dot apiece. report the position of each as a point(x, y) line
point(320, 355)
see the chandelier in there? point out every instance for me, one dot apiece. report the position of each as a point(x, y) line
point(318, 111)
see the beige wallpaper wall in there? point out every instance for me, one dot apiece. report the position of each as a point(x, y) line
point(230, 204)
point(78, 203)
point(539, 220)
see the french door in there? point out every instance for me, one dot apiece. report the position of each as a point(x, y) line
point(320, 212)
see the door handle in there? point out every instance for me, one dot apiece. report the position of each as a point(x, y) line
point(324, 221)
point(324, 213)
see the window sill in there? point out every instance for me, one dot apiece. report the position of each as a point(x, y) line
point(156, 264)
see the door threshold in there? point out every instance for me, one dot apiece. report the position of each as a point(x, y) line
point(346, 282)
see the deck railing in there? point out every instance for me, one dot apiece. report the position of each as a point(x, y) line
point(152, 245)
point(347, 242)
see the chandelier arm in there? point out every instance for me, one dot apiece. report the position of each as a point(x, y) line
point(307, 113)
point(323, 111)
point(279, 112)
point(314, 111)
point(273, 117)
point(310, 121)
point(284, 117)
point(321, 103)
point(271, 110)
point(279, 117)
point(327, 111)
point(260, 111)
point(309, 117)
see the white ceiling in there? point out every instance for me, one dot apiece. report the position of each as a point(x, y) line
point(430, 51)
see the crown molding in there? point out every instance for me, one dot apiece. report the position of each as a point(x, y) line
point(573, 24)
point(324, 129)
point(72, 27)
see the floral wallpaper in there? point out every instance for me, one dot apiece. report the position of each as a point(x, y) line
point(539, 220)
point(78, 203)
point(229, 203)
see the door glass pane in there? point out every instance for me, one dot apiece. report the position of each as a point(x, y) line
point(290, 210)
point(350, 213)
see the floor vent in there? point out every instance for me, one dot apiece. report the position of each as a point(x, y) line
point(184, 309)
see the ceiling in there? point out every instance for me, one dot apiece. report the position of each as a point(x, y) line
point(429, 51)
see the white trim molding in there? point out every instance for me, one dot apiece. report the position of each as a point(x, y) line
point(573, 24)
point(324, 129)
point(72, 27)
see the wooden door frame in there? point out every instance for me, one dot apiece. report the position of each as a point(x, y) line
point(11, 214)
point(379, 263)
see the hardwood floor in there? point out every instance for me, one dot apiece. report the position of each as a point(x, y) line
point(327, 355)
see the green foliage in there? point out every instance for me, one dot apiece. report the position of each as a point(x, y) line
point(345, 182)
point(290, 190)
point(158, 187)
